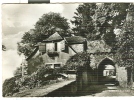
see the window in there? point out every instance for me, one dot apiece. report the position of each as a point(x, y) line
point(57, 65)
point(53, 65)
point(108, 73)
point(55, 46)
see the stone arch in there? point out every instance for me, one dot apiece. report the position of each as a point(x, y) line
point(102, 68)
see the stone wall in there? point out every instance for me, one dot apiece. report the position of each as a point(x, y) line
point(122, 76)
point(63, 57)
point(88, 77)
point(96, 58)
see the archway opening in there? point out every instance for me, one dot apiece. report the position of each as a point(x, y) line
point(106, 71)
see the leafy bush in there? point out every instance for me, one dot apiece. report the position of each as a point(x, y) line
point(33, 80)
point(10, 87)
point(78, 61)
point(42, 76)
point(29, 81)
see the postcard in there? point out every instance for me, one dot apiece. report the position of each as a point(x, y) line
point(68, 50)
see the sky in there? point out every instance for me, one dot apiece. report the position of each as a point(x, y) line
point(20, 18)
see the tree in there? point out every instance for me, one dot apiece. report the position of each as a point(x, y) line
point(97, 21)
point(18, 71)
point(3, 47)
point(49, 22)
point(46, 25)
point(83, 19)
point(125, 49)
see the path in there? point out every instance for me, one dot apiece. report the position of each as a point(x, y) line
point(113, 91)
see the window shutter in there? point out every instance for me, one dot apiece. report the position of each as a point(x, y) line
point(42, 47)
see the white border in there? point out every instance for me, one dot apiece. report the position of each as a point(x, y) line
point(66, 1)
point(57, 98)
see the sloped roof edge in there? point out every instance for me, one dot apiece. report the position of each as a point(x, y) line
point(53, 37)
point(75, 39)
point(33, 53)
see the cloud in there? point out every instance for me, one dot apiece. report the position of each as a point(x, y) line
point(10, 59)
point(10, 41)
point(18, 17)
point(68, 11)
point(21, 17)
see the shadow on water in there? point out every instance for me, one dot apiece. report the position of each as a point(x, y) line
point(66, 91)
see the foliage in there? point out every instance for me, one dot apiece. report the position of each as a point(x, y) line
point(48, 24)
point(45, 74)
point(18, 71)
point(29, 81)
point(97, 21)
point(82, 19)
point(10, 87)
point(97, 46)
point(41, 77)
point(26, 45)
point(34, 64)
point(125, 45)
point(126, 39)
point(3, 47)
point(79, 60)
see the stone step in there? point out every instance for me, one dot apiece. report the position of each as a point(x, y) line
point(112, 88)
point(110, 84)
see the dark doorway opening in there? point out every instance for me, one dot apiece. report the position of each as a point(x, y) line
point(106, 72)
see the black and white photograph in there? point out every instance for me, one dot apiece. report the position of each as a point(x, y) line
point(68, 50)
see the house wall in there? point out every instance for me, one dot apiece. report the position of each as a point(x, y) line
point(98, 57)
point(85, 79)
point(51, 46)
point(71, 52)
point(63, 57)
point(61, 45)
point(122, 76)
point(77, 47)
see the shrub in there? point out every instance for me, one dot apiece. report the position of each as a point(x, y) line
point(10, 87)
point(78, 61)
point(33, 80)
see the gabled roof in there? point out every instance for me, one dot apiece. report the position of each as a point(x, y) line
point(75, 39)
point(32, 54)
point(53, 37)
point(56, 37)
